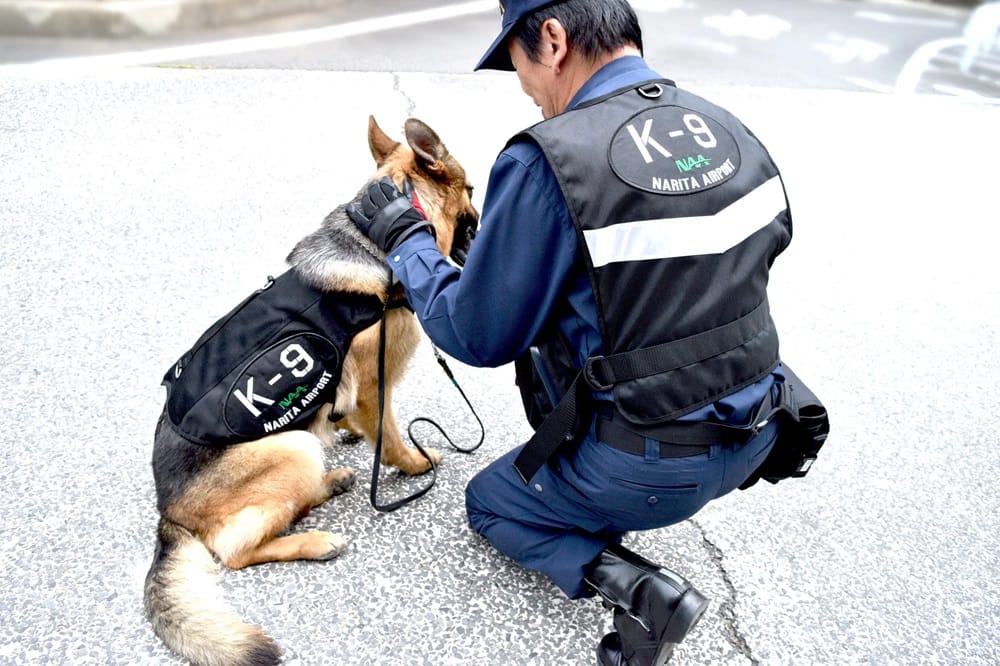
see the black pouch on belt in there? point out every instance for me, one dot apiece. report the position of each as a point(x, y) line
point(804, 427)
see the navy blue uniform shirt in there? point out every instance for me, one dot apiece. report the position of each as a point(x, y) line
point(523, 262)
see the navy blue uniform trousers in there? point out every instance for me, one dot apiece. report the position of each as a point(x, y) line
point(585, 500)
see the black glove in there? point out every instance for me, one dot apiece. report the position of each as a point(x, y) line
point(386, 215)
point(464, 235)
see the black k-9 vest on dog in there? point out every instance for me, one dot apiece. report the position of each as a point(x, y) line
point(267, 365)
point(680, 212)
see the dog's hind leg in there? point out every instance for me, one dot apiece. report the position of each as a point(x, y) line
point(249, 537)
point(314, 545)
point(260, 491)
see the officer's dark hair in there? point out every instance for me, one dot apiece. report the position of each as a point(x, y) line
point(593, 27)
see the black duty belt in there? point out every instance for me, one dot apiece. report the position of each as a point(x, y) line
point(680, 439)
point(560, 430)
point(619, 437)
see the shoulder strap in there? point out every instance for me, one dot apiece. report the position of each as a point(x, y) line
point(560, 428)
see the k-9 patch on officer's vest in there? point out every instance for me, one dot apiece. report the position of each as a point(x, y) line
point(267, 365)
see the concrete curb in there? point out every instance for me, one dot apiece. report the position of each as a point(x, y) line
point(130, 18)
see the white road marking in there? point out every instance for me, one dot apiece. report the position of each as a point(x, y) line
point(740, 24)
point(881, 17)
point(909, 77)
point(842, 50)
point(919, 64)
point(262, 43)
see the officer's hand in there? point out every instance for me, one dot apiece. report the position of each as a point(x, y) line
point(386, 215)
point(464, 235)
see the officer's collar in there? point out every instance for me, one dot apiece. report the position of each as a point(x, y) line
point(629, 69)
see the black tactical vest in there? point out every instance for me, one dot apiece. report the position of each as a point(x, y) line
point(267, 365)
point(679, 212)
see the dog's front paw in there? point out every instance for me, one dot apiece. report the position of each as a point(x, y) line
point(340, 480)
point(328, 545)
point(416, 463)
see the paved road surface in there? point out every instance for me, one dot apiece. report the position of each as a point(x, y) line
point(138, 205)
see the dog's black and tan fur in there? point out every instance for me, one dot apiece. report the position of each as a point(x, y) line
point(233, 502)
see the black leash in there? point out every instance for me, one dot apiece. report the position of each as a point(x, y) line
point(423, 419)
point(373, 496)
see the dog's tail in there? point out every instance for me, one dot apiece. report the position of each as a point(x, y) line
point(187, 611)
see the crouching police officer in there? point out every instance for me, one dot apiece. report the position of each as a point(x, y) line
point(622, 261)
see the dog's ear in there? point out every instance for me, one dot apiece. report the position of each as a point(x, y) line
point(427, 146)
point(380, 144)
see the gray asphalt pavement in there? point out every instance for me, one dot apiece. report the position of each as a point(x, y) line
point(138, 205)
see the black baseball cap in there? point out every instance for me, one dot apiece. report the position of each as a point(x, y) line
point(511, 11)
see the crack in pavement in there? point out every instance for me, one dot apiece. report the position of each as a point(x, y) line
point(411, 105)
point(727, 608)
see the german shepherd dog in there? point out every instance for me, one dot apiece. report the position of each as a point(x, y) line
point(233, 502)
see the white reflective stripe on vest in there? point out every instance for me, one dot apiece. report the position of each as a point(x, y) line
point(688, 236)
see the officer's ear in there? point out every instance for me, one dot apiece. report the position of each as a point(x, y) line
point(427, 147)
point(553, 44)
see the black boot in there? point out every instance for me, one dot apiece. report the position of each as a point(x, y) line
point(654, 608)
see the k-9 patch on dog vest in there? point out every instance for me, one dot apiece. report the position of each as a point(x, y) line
point(268, 365)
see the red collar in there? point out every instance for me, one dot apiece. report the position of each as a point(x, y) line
point(416, 204)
